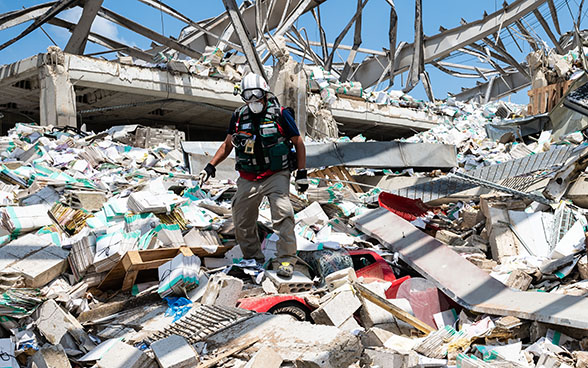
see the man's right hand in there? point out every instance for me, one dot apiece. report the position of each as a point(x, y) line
point(205, 174)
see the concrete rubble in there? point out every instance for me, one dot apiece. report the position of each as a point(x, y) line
point(65, 264)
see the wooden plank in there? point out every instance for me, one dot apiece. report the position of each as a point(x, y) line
point(347, 176)
point(128, 267)
point(129, 280)
point(394, 310)
point(149, 265)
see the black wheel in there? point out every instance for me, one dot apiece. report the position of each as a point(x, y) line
point(295, 310)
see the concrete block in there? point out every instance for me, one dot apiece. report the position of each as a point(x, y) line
point(519, 280)
point(449, 237)
point(222, 290)
point(174, 352)
point(483, 263)
point(372, 315)
point(339, 278)
point(389, 358)
point(350, 325)
point(578, 192)
point(265, 357)
point(581, 359)
point(60, 327)
point(122, 355)
point(376, 336)
point(298, 283)
point(42, 267)
point(583, 267)
point(471, 217)
point(502, 242)
point(50, 356)
point(337, 310)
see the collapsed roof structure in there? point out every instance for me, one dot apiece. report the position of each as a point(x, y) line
point(136, 86)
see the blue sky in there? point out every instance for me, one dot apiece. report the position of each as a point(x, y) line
point(335, 14)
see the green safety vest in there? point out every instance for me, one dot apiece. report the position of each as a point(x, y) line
point(272, 151)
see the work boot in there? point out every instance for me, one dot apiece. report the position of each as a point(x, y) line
point(285, 270)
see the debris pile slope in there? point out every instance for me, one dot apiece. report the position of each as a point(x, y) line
point(113, 255)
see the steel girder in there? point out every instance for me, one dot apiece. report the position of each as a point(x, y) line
point(442, 44)
point(496, 87)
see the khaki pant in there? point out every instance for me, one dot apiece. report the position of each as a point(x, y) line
point(246, 211)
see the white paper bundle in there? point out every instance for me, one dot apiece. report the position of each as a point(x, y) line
point(178, 275)
point(83, 249)
point(169, 236)
point(18, 220)
point(141, 202)
point(111, 247)
point(198, 216)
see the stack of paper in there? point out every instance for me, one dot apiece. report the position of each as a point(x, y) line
point(169, 236)
point(111, 247)
point(18, 220)
point(83, 250)
point(178, 275)
point(70, 220)
point(141, 202)
point(143, 222)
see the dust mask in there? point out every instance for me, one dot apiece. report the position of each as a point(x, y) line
point(255, 107)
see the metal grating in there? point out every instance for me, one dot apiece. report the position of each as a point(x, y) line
point(203, 321)
point(444, 187)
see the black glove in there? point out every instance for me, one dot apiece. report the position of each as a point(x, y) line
point(206, 173)
point(301, 182)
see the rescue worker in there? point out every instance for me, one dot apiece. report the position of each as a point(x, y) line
point(263, 134)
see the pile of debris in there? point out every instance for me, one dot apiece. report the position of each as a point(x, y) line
point(113, 256)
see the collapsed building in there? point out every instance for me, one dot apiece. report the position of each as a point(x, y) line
point(458, 225)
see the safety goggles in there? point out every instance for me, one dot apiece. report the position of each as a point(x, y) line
point(253, 94)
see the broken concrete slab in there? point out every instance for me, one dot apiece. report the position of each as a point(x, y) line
point(478, 292)
point(337, 310)
point(519, 280)
point(375, 336)
point(42, 267)
point(122, 355)
point(60, 327)
point(583, 267)
point(372, 314)
point(174, 352)
point(50, 356)
point(385, 358)
point(265, 357)
point(310, 346)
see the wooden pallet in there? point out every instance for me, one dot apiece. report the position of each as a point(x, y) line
point(544, 99)
point(125, 273)
point(337, 173)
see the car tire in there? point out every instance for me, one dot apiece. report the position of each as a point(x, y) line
point(296, 311)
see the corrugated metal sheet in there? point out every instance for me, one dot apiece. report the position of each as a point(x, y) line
point(445, 187)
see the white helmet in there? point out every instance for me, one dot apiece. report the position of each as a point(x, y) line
point(254, 81)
